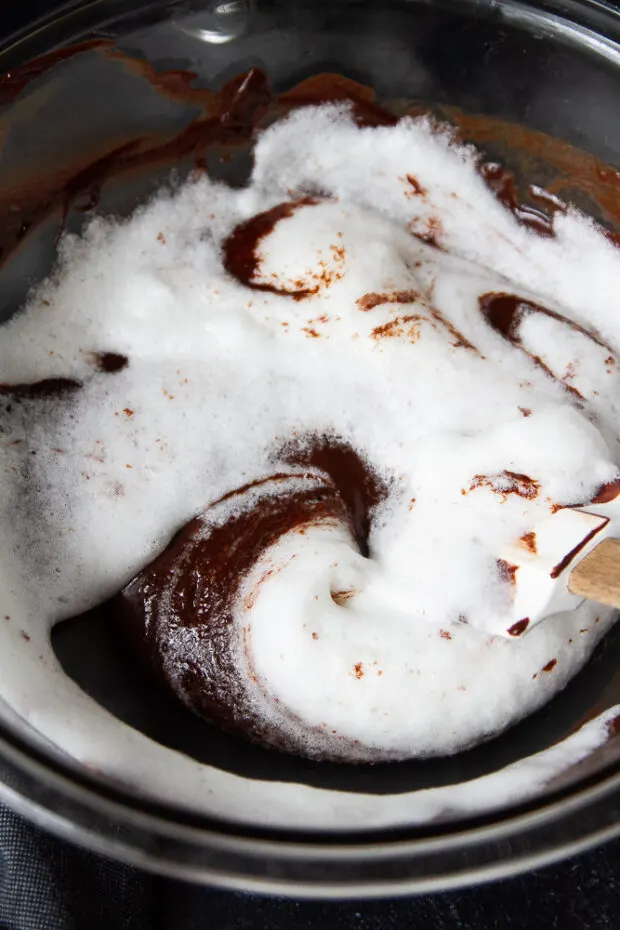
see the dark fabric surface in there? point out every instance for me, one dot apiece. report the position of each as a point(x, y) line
point(48, 884)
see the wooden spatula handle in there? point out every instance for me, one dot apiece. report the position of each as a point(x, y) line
point(597, 577)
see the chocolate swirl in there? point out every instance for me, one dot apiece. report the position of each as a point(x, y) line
point(505, 313)
point(185, 609)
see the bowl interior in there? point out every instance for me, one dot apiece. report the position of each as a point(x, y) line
point(517, 82)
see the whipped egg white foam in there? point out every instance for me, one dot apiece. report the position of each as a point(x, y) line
point(361, 317)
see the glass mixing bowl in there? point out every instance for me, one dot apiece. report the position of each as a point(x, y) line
point(98, 119)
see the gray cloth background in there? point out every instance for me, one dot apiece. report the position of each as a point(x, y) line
point(48, 884)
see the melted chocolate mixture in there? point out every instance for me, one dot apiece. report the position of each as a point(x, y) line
point(229, 117)
point(15, 81)
point(198, 578)
point(195, 584)
point(110, 362)
point(241, 249)
point(568, 558)
point(505, 314)
point(203, 567)
point(49, 387)
point(360, 488)
point(502, 183)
